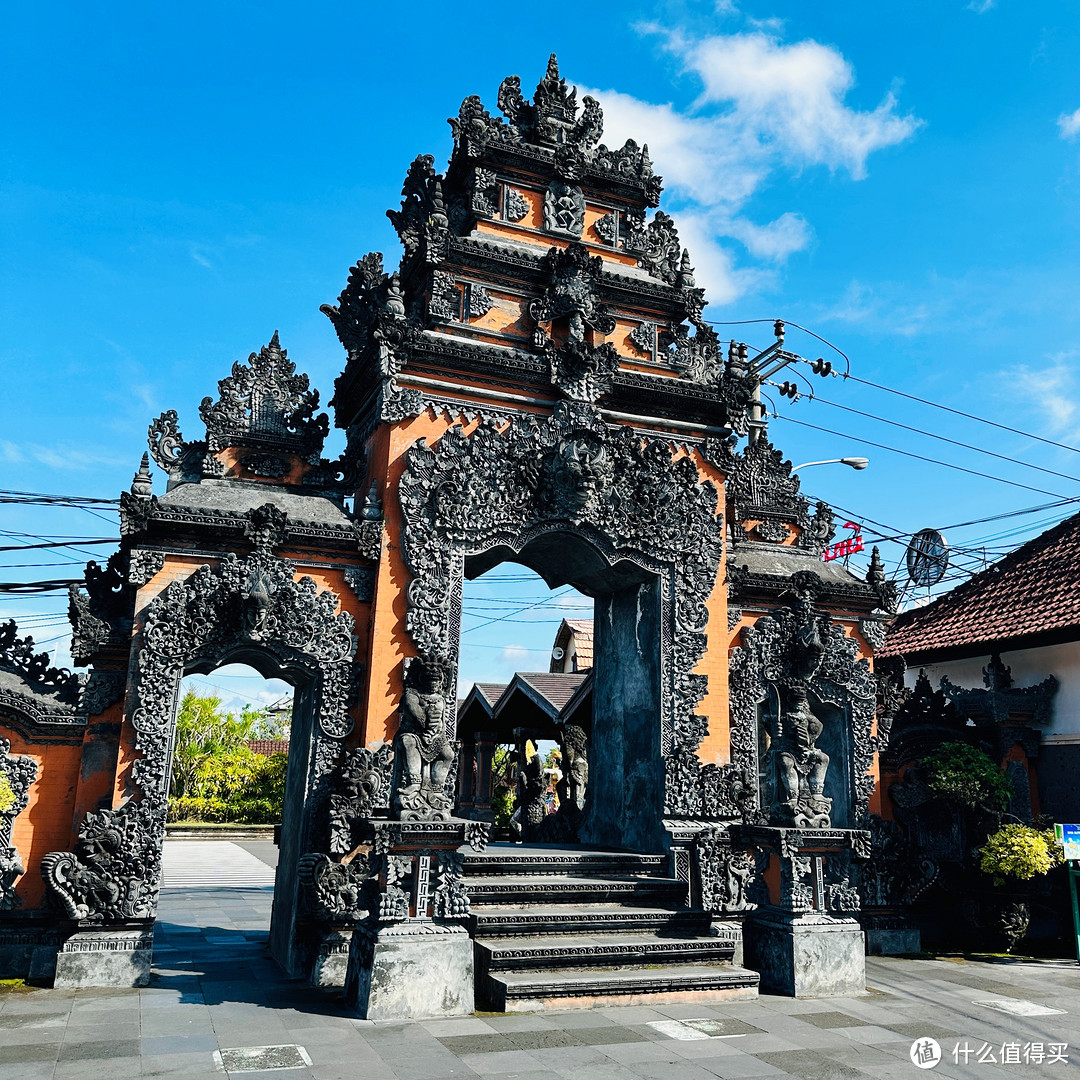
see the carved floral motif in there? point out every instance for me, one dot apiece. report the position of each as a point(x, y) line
point(17, 773)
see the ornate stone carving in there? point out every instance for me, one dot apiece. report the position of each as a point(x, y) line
point(724, 873)
point(265, 399)
point(607, 228)
point(478, 300)
point(772, 532)
point(114, 872)
point(143, 565)
point(874, 630)
point(17, 655)
point(17, 773)
point(531, 798)
point(423, 745)
point(363, 786)
point(335, 891)
point(762, 487)
point(643, 338)
point(101, 689)
point(265, 526)
point(507, 483)
point(485, 193)
point(583, 372)
point(573, 292)
point(270, 466)
point(564, 209)
point(800, 658)
point(656, 245)
point(895, 873)
point(361, 579)
point(575, 768)
point(885, 589)
point(1001, 699)
point(446, 297)
point(101, 615)
point(515, 205)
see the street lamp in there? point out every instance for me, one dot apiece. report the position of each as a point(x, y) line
point(851, 462)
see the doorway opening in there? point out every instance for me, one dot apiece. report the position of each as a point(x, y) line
point(606, 776)
point(515, 682)
point(229, 770)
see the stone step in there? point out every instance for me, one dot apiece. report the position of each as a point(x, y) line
point(507, 920)
point(525, 891)
point(598, 950)
point(532, 860)
point(517, 991)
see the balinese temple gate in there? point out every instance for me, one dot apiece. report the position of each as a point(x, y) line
point(533, 383)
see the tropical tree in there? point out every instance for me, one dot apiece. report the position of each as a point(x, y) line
point(205, 731)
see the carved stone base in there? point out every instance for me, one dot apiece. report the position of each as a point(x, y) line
point(409, 971)
point(21, 945)
point(100, 957)
point(331, 960)
point(806, 956)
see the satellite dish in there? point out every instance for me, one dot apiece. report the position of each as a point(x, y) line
point(557, 653)
point(927, 557)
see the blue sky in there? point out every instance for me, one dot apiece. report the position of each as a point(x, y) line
point(901, 178)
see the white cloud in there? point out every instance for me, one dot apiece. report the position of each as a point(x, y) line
point(764, 106)
point(1054, 392)
point(1069, 124)
point(981, 7)
point(885, 309)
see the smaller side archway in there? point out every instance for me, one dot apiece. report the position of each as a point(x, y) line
point(252, 611)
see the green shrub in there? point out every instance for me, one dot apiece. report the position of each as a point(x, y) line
point(7, 793)
point(1019, 852)
point(239, 786)
point(963, 774)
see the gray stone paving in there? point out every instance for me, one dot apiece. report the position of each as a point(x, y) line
point(216, 990)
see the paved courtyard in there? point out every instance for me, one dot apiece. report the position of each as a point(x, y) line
point(217, 1000)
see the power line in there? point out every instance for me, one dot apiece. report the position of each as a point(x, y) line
point(960, 412)
point(942, 438)
point(37, 498)
point(56, 544)
point(920, 457)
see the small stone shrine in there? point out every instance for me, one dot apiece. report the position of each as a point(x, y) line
point(533, 382)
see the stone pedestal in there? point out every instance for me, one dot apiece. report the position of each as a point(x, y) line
point(104, 957)
point(804, 938)
point(411, 956)
point(331, 961)
point(410, 971)
point(806, 955)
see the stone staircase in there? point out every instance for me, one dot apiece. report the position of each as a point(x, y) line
point(576, 927)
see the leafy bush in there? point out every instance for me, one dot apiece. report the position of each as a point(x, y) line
point(216, 777)
point(964, 775)
point(7, 793)
point(1020, 852)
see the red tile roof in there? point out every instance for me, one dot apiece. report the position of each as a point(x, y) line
point(266, 747)
point(1032, 591)
point(583, 641)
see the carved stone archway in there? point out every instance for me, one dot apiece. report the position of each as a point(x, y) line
point(249, 609)
point(508, 484)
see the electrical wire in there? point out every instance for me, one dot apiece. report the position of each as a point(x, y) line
point(941, 438)
point(919, 457)
point(37, 498)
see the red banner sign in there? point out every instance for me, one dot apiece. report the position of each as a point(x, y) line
point(842, 548)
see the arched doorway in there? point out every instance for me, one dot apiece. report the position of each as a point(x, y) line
point(251, 611)
point(648, 552)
